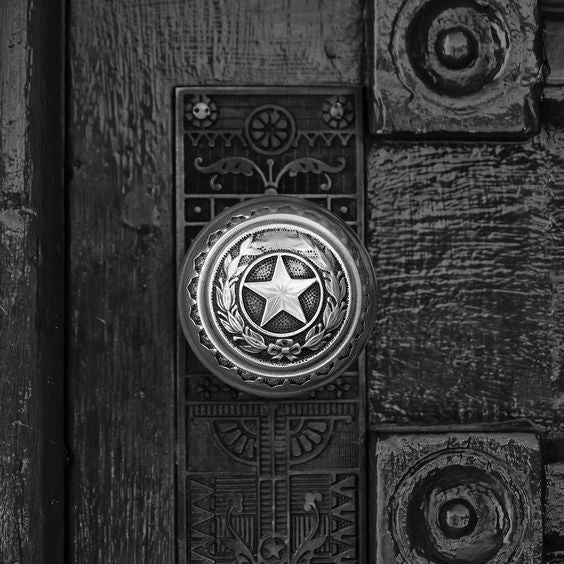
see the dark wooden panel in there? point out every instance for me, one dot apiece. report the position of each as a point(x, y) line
point(468, 245)
point(31, 282)
point(126, 57)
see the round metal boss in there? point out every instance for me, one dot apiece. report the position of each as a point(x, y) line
point(457, 506)
point(276, 296)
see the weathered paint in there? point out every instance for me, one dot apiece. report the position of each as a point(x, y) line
point(31, 282)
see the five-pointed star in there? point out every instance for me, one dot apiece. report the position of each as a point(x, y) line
point(273, 547)
point(281, 293)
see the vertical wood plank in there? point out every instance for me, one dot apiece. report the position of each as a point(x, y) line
point(31, 282)
point(126, 57)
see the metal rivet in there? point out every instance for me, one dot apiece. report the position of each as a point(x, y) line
point(456, 48)
point(337, 110)
point(201, 110)
point(457, 518)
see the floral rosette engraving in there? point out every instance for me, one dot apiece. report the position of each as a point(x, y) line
point(200, 111)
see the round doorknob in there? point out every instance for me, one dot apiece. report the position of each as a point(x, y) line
point(277, 296)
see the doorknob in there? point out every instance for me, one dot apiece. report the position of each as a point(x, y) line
point(277, 296)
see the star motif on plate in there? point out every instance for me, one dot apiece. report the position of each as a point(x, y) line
point(273, 548)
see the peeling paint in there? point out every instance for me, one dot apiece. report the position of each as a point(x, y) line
point(139, 210)
point(12, 221)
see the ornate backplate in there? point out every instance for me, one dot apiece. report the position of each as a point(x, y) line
point(263, 481)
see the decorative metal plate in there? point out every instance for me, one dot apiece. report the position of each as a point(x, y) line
point(276, 296)
point(263, 481)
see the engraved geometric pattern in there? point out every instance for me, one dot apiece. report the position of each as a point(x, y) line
point(263, 481)
point(276, 487)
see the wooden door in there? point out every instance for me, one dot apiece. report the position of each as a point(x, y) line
point(465, 232)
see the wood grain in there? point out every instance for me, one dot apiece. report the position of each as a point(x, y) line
point(126, 57)
point(31, 282)
point(468, 244)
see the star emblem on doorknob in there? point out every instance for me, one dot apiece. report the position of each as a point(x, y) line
point(277, 296)
point(281, 293)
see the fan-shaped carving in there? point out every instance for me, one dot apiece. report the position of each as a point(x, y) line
point(308, 438)
point(237, 438)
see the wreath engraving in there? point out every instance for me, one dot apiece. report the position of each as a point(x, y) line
point(286, 348)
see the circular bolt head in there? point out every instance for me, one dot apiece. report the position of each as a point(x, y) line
point(337, 111)
point(201, 110)
point(456, 48)
point(457, 518)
